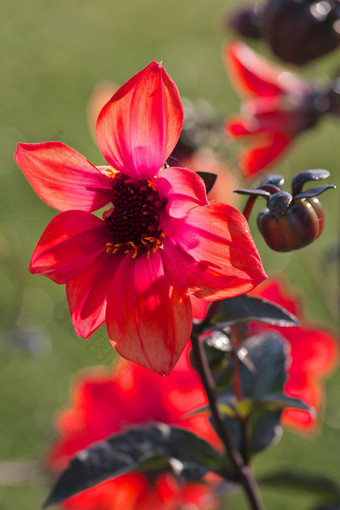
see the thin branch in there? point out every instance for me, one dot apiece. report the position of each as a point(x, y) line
point(242, 470)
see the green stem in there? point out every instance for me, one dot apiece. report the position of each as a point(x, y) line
point(243, 473)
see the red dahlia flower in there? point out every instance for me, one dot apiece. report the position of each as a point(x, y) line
point(159, 241)
point(314, 354)
point(279, 105)
point(104, 404)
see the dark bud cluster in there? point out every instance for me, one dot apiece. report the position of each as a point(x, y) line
point(291, 220)
point(201, 127)
point(297, 31)
point(247, 21)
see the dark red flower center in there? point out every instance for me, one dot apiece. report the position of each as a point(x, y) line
point(133, 220)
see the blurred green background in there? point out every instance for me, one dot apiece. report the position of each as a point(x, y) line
point(53, 55)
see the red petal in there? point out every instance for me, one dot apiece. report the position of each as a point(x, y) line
point(277, 114)
point(183, 190)
point(275, 290)
point(62, 177)
point(148, 319)
point(252, 74)
point(242, 126)
point(87, 294)
point(212, 253)
point(139, 127)
point(199, 308)
point(69, 244)
point(266, 149)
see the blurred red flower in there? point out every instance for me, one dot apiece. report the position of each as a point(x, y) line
point(278, 106)
point(314, 354)
point(161, 239)
point(104, 403)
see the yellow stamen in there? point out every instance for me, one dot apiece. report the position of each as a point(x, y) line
point(109, 171)
point(152, 244)
point(152, 185)
point(134, 247)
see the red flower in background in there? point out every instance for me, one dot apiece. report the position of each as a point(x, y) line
point(278, 106)
point(314, 354)
point(160, 240)
point(104, 404)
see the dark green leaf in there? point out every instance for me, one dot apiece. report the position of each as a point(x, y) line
point(209, 179)
point(265, 430)
point(218, 350)
point(262, 389)
point(277, 401)
point(228, 408)
point(220, 341)
point(251, 309)
point(271, 402)
point(268, 353)
point(157, 446)
point(321, 486)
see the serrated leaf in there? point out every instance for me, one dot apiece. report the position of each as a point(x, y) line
point(156, 446)
point(271, 402)
point(217, 359)
point(220, 341)
point(228, 408)
point(277, 401)
point(265, 430)
point(318, 485)
point(251, 309)
point(209, 180)
point(269, 357)
point(268, 353)
point(219, 352)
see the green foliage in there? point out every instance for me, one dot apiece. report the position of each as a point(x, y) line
point(156, 447)
point(209, 180)
point(250, 309)
point(253, 417)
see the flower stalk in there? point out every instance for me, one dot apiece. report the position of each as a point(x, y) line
point(243, 473)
